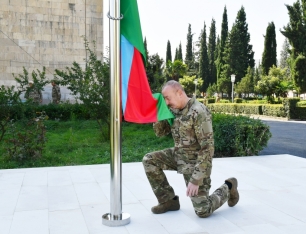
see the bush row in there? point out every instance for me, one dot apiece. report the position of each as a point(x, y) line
point(289, 109)
point(234, 108)
point(63, 111)
point(276, 110)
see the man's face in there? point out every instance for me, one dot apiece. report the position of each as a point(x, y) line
point(53, 83)
point(30, 84)
point(172, 97)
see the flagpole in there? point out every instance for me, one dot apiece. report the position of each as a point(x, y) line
point(115, 217)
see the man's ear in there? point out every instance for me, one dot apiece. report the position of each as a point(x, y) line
point(179, 92)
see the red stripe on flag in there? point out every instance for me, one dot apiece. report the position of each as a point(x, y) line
point(141, 107)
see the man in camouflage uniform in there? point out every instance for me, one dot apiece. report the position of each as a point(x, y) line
point(33, 94)
point(56, 93)
point(191, 156)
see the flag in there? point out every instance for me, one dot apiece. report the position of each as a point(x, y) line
point(138, 103)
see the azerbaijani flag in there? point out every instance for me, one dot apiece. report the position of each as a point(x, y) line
point(138, 103)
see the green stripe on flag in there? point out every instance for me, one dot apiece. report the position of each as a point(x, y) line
point(130, 26)
point(163, 111)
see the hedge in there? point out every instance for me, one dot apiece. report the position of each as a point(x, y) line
point(239, 135)
point(234, 108)
point(276, 110)
point(289, 109)
point(63, 111)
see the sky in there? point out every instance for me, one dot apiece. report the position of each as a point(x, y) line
point(163, 20)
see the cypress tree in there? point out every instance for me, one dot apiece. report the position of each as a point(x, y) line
point(189, 54)
point(180, 53)
point(257, 76)
point(224, 35)
point(270, 52)
point(211, 53)
point(204, 63)
point(238, 54)
point(284, 58)
point(295, 32)
point(146, 52)
point(168, 54)
point(175, 57)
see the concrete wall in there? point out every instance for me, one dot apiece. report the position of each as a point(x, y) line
point(37, 33)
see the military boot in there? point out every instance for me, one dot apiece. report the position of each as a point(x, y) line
point(170, 205)
point(234, 195)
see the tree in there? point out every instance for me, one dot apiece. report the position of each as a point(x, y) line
point(224, 85)
point(246, 86)
point(238, 55)
point(270, 49)
point(211, 53)
point(283, 87)
point(204, 63)
point(299, 73)
point(91, 86)
point(284, 57)
point(180, 53)
point(218, 45)
point(188, 83)
point(168, 54)
point(175, 70)
point(196, 58)
point(224, 35)
point(295, 32)
point(257, 77)
point(146, 50)
point(155, 72)
point(189, 54)
point(267, 86)
point(176, 54)
point(273, 83)
point(9, 100)
point(211, 90)
point(38, 77)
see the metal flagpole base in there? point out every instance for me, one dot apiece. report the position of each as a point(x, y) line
point(116, 221)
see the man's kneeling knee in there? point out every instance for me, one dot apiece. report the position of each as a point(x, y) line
point(146, 158)
point(202, 214)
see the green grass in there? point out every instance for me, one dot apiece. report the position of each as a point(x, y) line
point(81, 143)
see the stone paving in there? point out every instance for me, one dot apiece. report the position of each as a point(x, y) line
point(71, 200)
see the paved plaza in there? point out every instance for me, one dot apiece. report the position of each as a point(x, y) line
point(71, 200)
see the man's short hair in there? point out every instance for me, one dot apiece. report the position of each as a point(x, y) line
point(31, 82)
point(173, 84)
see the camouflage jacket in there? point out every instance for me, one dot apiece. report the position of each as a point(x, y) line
point(193, 140)
point(56, 93)
point(33, 94)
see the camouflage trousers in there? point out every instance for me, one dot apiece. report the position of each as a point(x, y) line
point(204, 204)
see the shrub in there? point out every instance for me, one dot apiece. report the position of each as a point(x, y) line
point(276, 110)
point(211, 100)
point(224, 101)
point(239, 135)
point(249, 109)
point(301, 104)
point(91, 85)
point(238, 100)
point(10, 107)
point(293, 110)
point(65, 111)
point(29, 141)
point(232, 108)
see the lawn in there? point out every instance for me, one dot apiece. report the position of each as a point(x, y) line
point(81, 143)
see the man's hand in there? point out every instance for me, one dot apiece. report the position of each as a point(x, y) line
point(192, 189)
